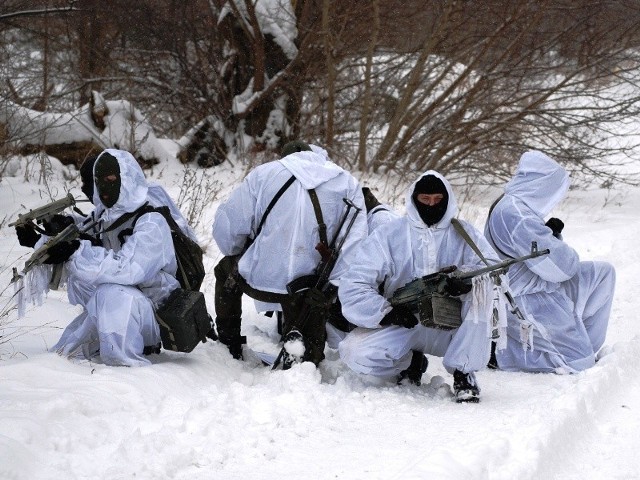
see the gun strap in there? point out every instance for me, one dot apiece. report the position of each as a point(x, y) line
point(78, 211)
point(462, 232)
point(322, 227)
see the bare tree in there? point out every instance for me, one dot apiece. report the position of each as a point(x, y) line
point(366, 96)
point(488, 81)
point(400, 85)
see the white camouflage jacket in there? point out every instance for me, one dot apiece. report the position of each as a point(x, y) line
point(401, 251)
point(147, 257)
point(285, 248)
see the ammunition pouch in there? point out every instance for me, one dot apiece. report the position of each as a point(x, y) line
point(440, 311)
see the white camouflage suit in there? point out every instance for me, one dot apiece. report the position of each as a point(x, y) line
point(394, 254)
point(569, 299)
point(285, 248)
point(376, 217)
point(119, 286)
point(380, 215)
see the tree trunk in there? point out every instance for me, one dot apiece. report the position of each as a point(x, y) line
point(331, 74)
point(366, 101)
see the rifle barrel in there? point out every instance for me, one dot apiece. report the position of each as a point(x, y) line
point(502, 265)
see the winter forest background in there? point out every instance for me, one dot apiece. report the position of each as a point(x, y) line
point(200, 91)
point(386, 86)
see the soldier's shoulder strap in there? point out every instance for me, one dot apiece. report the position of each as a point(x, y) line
point(273, 202)
point(493, 205)
point(322, 227)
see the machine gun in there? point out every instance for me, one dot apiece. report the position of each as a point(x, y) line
point(318, 280)
point(45, 213)
point(427, 296)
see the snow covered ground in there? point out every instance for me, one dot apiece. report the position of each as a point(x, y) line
point(204, 415)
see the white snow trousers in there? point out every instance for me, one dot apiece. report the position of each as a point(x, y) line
point(334, 336)
point(387, 351)
point(117, 319)
point(575, 318)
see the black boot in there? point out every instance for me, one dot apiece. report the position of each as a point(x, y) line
point(465, 387)
point(151, 349)
point(234, 344)
point(229, 334)
point(211, 334)
point(292, 341)
point(493, 362)
point(416, 368)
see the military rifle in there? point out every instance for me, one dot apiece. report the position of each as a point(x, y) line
point(318, 280)
point(40, 255)
point(428, 297)
point(40, 215)
point(46, 212)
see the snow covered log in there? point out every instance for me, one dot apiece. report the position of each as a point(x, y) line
point(205, 143)
point(73, 136)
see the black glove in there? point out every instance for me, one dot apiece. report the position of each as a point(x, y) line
point(317, 299)
point(400, 316)
point(556, 225)
point(56, 224)
point(234, 344)
point(454, 286)
point(61, 252)
point(27, 235)
point(96, 242)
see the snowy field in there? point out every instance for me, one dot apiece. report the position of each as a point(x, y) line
point(204, 415)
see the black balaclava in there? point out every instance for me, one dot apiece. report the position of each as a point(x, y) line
point(293, 147)
point(86, 176)
point(430, 184)
point(108, 188)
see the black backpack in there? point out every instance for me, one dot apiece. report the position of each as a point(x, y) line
point(191, 271)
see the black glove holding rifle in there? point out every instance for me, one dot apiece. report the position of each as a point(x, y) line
point(61, 252)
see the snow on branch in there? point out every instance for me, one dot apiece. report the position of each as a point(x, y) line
point(74, 135)
point(40, 11)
